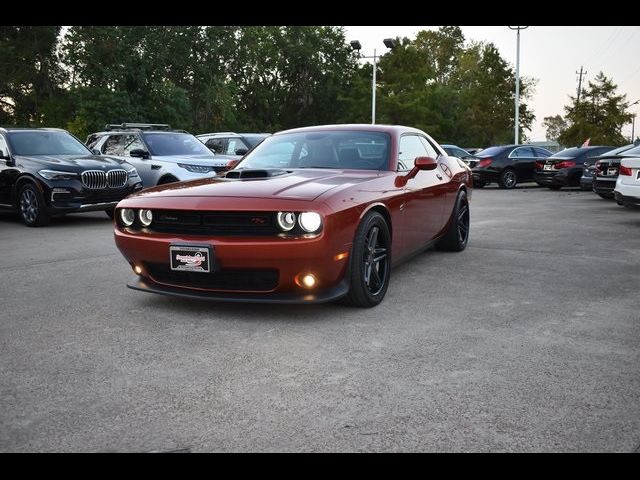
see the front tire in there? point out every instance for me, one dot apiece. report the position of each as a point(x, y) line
point(370, 266)
point(32, 207)
point(606, 196)
point(508, 179)
point(555, 187)
point(456, 237)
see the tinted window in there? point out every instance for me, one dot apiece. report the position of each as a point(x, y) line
point(522, 152)
point(215, 144)
point(337, 149)
point(541, 152)
point(45, 143)
point(233, 145)
point(410, 148)
point(175, 144)
point(490, 152)
point(132, 142)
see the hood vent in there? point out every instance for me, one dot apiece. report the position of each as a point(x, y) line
point(255, 173)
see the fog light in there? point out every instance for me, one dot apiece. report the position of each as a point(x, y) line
point(137, 269)
point(306, 280)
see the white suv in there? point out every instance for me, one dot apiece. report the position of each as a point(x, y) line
point(160, 155)
point(627, 190)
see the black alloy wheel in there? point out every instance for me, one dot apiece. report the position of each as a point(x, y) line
point(370, 266)
point(456, 237)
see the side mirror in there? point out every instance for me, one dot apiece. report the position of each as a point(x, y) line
point(95, 151)
point(425, 163)
point(421, 163)
point(139, 152)
point(241, 151)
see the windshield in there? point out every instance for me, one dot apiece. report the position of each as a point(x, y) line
point(162, 144)
point(40, 142)
point(619, 150)
point(358, 150)
point(254, 140)
point(488, 152)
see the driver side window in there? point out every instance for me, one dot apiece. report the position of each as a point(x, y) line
point(132, 142)
point(411, 147)
point(3, 146)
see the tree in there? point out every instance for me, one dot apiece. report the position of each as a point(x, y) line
point(600, 115)
point(555, 126)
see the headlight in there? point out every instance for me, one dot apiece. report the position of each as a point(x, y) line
point(57, 175)
point(196, 168)
point(146, 217)
point(133, 173)
point(127, 216)
point(286, 220)
point(310, 221)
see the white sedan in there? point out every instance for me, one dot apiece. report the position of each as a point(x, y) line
point(627, 190)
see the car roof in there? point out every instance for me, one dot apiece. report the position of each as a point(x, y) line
point(365, 127)
point(29, 129)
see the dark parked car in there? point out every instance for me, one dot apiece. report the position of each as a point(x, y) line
point(507, 164)
point(46, 172)
point(586, 181)
point(462, 154)
point(564, 169)
point(607, 169)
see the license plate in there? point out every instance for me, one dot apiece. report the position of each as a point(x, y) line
point(191, 258)
point(548, 166)
point(612, 171)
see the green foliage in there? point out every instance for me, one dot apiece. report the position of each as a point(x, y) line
point(555, 126)
point(253, 78)
point(600, 115)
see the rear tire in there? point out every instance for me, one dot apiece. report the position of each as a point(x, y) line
point(166, 180)
point(456, 237)
point(370, 263)
point(555, 187)
point(32, 207)
point(508, 179)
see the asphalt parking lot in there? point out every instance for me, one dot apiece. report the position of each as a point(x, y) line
point(527, 341)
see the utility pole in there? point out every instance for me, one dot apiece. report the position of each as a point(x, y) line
point(517, 119)
point(580, 83)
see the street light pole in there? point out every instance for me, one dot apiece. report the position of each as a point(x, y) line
point(389, 43)
point(373, 91)
point(517, 119)
point(633, 121)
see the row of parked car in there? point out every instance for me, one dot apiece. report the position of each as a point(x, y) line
point(47, 172)
point(609, 171)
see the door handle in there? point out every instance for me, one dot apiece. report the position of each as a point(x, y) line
point(439, 176)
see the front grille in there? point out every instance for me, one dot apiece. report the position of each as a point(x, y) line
point(97, 179)
point(224, 280)
point(213, 223)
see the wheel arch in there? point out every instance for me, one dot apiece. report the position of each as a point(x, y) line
point(22, 180)
point(382, 209)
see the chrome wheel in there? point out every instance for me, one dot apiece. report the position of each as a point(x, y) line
point(376, 263)
point(29, 207)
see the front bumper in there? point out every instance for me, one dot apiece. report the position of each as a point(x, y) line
point(586, 182)
point(235, 257)
point(74, 197)
point(324, 296)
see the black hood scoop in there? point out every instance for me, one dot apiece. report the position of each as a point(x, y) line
point(255, 173)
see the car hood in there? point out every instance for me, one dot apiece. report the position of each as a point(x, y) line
point(302, 184)
point(73, 162)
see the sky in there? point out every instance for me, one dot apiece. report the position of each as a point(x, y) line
point(551, 54)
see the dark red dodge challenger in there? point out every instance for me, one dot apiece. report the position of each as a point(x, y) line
point(312, 214)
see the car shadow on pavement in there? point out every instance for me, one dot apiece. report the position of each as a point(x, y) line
point(96, 218)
